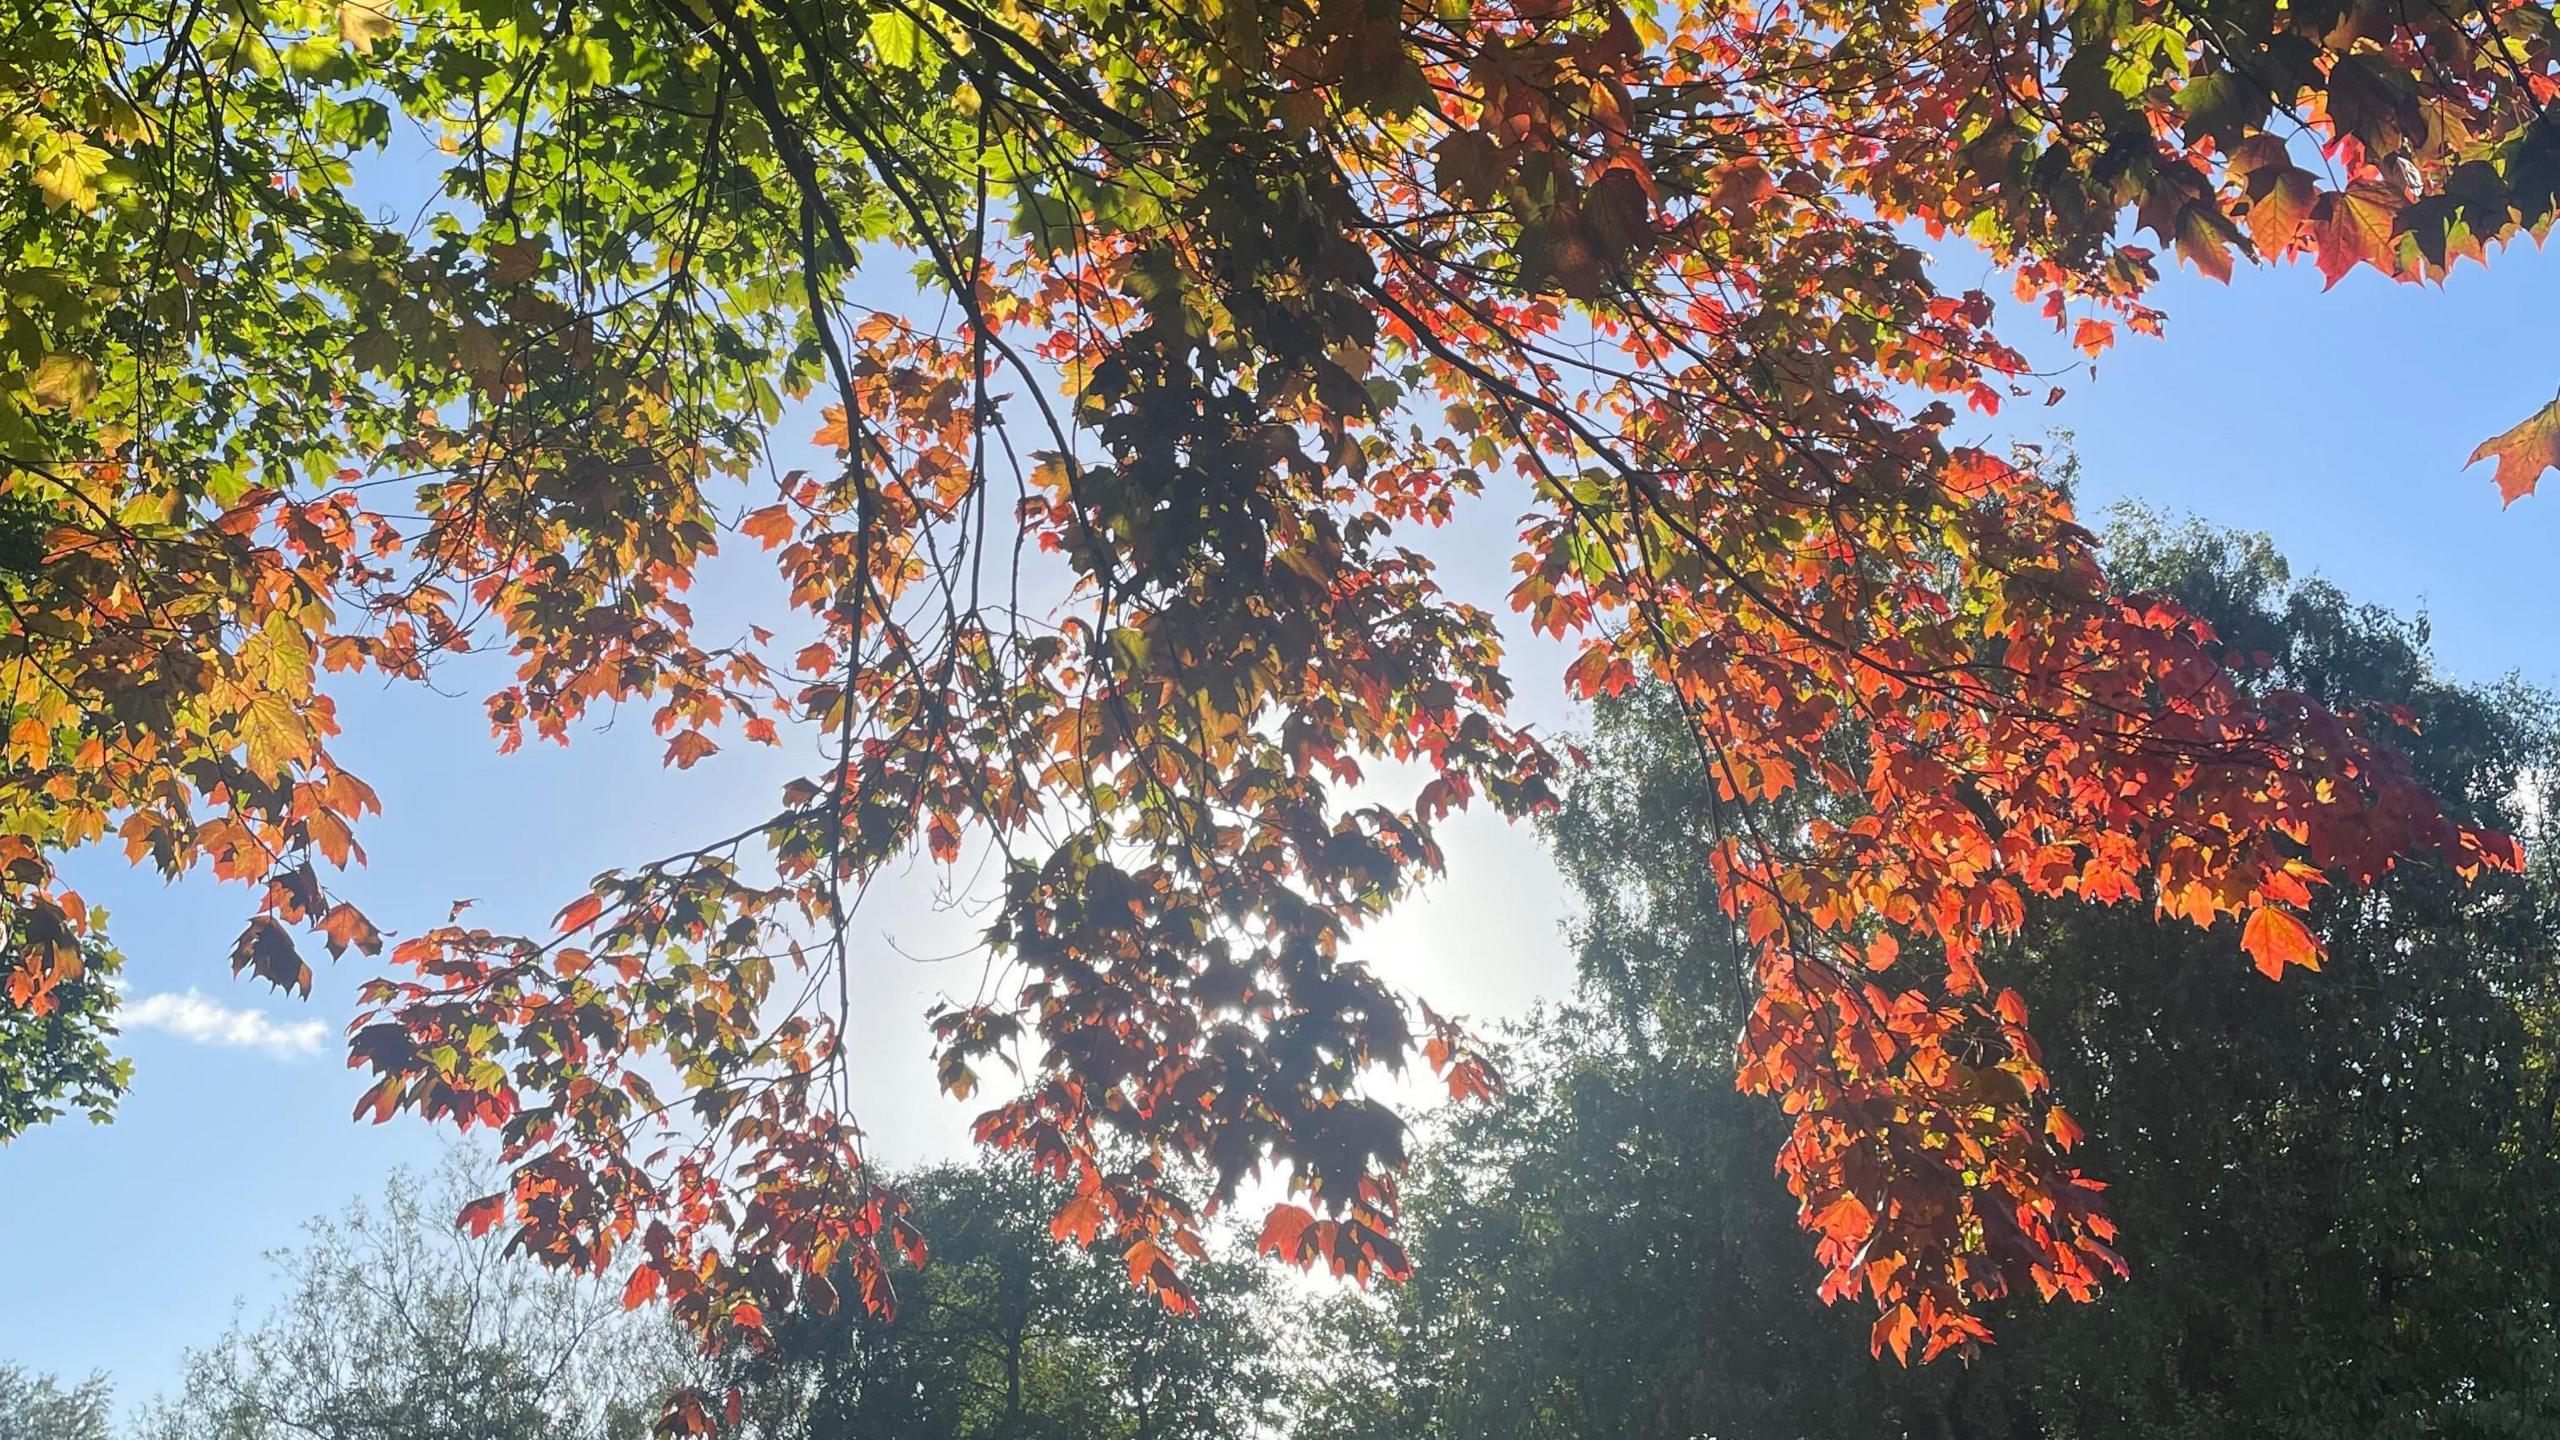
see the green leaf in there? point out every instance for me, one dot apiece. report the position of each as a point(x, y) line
point(584, 63)
point(900, 44)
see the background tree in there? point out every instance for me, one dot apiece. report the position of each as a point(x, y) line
point(37, 1407)
point(2332, 1192)
point(395, 1327)
point(1008, 1333)
point(58, 1055)
point(1302, 279)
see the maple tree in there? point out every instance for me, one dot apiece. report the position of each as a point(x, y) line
point(1221, 304)
point(2332, 1192)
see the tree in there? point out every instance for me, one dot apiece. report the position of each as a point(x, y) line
point(36, 1407)
point(1307, 277)
point(1008, 1334)
point(395, 1327)
point(57, 1056)
point(2332, 1192)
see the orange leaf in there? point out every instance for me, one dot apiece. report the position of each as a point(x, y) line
point(1079, 1220)
point(1893, 1330)
point(642, 1289)
point(383, 1099)
point(2010, 1007)
point(1472, 1079)
point(688, 748)
point(346, 928)
point(581, 913)
point(1143, 1257)
point(2065, 1131)
point(267, 950)
point(2276, 217)
point(2204, 240)
point(482, 1215)
point(770, 525)
point(1844, 1219)
point(1284, 1232)
point(942, 837)
point(333, 838)
point(2358, 228)
point(685, 1414)
point(2275, 939)
point(2524, 452)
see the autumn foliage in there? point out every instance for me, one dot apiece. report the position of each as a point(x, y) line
point(1112, 570)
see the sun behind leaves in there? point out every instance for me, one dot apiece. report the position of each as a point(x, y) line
point(1224, 302)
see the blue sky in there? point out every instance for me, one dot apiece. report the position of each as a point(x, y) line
point(2336, 423)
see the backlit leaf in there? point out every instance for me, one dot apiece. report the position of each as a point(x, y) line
point(2524, 452)
point(2275, 939)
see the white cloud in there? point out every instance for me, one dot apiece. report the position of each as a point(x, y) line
point(206, 1021)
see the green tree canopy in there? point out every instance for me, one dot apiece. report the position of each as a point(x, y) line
point(1007, 1333)
point(394, 1327)
point(38, 1407)
point(60, 1056)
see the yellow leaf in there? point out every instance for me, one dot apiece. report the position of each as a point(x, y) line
point(273, 732)
point(279, 655)
point(70, 178)
point(361, 24)
point(63, 382)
